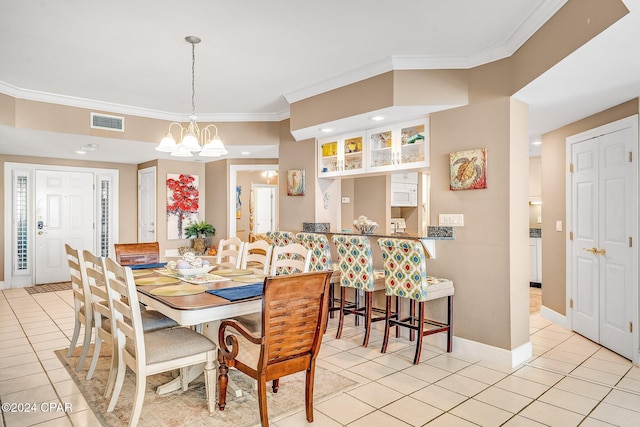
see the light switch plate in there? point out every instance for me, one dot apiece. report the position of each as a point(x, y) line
point(451, 220)
point(558, 225)
point(345, 200)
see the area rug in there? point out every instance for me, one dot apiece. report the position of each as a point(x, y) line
point(189, 408)
point(48, 287)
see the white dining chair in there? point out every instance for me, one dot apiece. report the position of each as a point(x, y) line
point(149, 353)
point(291, 258)
point(81, 303)
point(256, 256)
point(229, 252)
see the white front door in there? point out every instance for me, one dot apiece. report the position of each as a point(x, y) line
point(147, 205)
point(603, 217)
point(64, 213)
point(264, 197)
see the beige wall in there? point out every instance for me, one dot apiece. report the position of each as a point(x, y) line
point(554, 167)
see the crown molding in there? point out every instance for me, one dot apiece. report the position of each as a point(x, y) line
point(90, 104)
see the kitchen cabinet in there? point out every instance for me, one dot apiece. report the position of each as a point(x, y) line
point(340, 156)
point(398, 147)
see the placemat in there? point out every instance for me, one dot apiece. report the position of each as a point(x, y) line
point(140, 273)
point(178, 290)
point(145, 266)
point(147, 281)
point(203, 278)
point(250, 278)
point(239, 292)
point(231, 272)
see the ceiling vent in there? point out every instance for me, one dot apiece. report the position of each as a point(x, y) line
point(106, 122)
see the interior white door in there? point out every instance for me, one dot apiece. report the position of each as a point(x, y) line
point(64, 213)
point(265, 208)
point(147, 205)
point(603, 217)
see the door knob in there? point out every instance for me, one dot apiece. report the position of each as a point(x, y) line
point(40, 233)
point(593, 250)
point(601, 252)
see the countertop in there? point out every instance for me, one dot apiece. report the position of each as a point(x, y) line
point(433, 233)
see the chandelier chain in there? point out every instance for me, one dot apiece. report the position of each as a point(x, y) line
point(193, 79)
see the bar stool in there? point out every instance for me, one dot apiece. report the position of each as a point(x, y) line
point(318, 244)
point(356, 271)
point(406, 277)
point(281, 238)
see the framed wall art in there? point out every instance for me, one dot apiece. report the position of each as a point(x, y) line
point(295, 182)
point(468, 169)
point(183, 203)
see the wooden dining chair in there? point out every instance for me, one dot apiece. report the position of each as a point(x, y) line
point(257, 256)
point(291, 258)
point(294, 316)
point(229, 252)
point(81, 303)
point(149, 353)
point(137, 253)
point(151, 319)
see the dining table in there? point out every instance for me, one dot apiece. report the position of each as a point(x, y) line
point(194, 305)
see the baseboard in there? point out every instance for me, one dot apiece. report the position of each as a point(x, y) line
point(465, 347)
point(555, 317)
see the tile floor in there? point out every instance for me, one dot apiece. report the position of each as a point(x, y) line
point(569, 380)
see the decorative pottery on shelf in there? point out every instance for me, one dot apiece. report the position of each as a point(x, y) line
point(364, 225)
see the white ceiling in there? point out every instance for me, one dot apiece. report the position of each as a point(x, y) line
point(256, 57)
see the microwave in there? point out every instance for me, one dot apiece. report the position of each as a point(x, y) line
point(404, 194)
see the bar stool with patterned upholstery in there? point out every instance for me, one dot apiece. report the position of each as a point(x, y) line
point(356, 272)
point(406, 277)
point(281, 238)
point(318, 244)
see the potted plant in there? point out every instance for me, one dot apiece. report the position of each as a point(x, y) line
point(199, 230)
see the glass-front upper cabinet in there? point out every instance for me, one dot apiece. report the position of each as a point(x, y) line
point(400, 146)
point(340, 156)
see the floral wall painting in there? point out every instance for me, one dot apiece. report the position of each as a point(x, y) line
point(468, 169)
point(295, 182)
point(183, 199)
point(238, 202)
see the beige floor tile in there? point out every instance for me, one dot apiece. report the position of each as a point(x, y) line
point(51, 344)
point(427, 373)
point(44, 393)
point(402, 382)
point(624, 400)
point(17, 360)
point(552, 364)
point(557, 328)
point(51, 364)
point(83, 418)
point(519, 421)
point(463, 385)
point(615, 415)
point(570, 401)
point(481, 413)
point(375, 394)
point(346, 373)
point(370, 352)
point(537, 321)
point(504, 399)
point(23, 383)
point(505, 369)
point(634, 373)
point(57, 335)
point(552, 334)
point(372, 370)
point(25, 369)
point(40, 415)
point(44, 330)
point(606, 354)
point(482, 374)
point(378, 418)
point(583, 388)
point(15, 342)
point(66, 388)
point(344, 408)
point(342, 344)
point(57, 375)
point(300, 419)
point(395, 361)
point(448, 363)
point(439, 397)
point(592, 422)
point(615, 368)
point(629, 384)
point(566, 356)
point(409, 353)
point(596, 375)
point(538, 350)
point(551, 415)
point(448, 420)
point(522, 386)
point(7, 336)
point(412, 411)
point(345, 360)
point(541, 376)
point(17, 350)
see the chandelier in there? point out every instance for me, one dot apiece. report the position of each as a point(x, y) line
point(192, 138)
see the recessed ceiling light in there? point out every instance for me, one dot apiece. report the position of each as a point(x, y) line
point(377, 118)
point(80, 150)
point(326, 130)
point(245, 153)
point(536, 142)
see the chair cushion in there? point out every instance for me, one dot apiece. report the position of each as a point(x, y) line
point(248, 352)
point(170, 344)
point(153, 320)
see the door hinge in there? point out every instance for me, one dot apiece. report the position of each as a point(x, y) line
point(630, 241)
point(631, 327)
point(571, 235)
point(630, 156)
point(570, 167)
point(570, 302)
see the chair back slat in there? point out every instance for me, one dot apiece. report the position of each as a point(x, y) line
point(318, 244)
point(229, 252)
point(97, 288)
point(257, 252)
point(79, 284)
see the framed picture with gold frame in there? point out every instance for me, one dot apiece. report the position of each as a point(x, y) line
point(295, 182)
